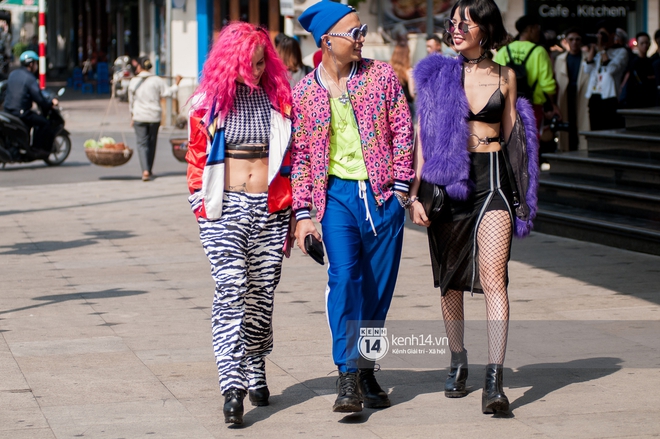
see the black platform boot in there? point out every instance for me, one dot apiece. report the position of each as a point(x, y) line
point(259, 397)
point(457, 376)
point(493, 398)
point(233, 408)
point(348, 399)
point(373, 395)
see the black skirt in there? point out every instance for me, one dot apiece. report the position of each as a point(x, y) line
point(453, 238)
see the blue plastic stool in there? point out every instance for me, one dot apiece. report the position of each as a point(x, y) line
point(87, 88)
point(77, 79)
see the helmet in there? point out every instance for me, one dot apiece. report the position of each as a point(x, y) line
point(28, 56)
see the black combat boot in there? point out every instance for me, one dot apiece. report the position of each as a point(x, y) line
point(373, 395)
point(233, 408)
point(493, 398)
point(348, 393)
point(259, 397)
point(457, 376)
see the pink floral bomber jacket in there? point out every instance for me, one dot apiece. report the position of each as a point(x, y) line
point(385, 127)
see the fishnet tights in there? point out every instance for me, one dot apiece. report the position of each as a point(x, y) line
point(494, 241)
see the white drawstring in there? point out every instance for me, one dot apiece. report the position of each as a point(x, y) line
point(363, 196)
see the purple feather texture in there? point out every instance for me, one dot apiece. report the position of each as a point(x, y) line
point(441, 108)
point(524, 108)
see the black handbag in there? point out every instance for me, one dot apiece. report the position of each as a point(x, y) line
point(432, 198)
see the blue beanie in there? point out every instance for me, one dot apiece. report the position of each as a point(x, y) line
point(321, 16)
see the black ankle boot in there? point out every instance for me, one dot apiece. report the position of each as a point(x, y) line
point(457, 376)
point(233, 408)
point(348, 399)
point(373, 395)
point(493, 398)
point(259, 397)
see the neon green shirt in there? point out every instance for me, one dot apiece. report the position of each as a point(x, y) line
point(346, 160)
point(539, 67)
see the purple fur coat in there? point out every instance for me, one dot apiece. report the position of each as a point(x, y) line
point(442, 110)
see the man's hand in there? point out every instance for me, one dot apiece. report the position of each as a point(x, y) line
point(178, 79)
point(591, 53)
point(55, 102)
point(303, 228)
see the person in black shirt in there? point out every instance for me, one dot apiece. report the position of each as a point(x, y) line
point(639, 88)
point(22, 92)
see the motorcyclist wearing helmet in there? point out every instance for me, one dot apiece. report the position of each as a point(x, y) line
point(22, 92)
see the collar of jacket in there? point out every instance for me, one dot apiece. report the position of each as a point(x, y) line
point(351, 74)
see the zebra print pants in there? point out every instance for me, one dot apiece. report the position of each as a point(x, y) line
point(244, 248)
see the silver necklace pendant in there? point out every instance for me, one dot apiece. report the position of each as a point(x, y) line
point(344, 99)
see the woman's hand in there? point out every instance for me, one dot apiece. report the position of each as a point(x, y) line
point(417, 214)
point(303, 228)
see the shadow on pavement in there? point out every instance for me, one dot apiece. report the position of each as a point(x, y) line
point(542, 378)
point(59, 298)
point(31, 248)
point(40, 165)
point(545, 378)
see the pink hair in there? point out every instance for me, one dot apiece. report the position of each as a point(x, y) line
point(230, 57)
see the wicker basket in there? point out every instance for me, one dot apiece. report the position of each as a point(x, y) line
point(109, 156)
point(179, 149)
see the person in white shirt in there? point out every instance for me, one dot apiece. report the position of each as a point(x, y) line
point(144, 93)
point(606, 66)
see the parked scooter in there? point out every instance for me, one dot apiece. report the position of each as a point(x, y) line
point(122, 72)
point(16, 139)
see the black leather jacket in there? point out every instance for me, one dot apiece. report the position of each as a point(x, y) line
point(22, 91)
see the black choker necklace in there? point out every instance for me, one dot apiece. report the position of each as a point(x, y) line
point(475, 60)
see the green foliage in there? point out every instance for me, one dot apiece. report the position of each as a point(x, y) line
point(355, 3)
point(18, 49)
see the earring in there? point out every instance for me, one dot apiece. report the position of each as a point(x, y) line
point(481, 42)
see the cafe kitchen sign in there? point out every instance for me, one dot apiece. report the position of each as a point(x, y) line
point(561, 14)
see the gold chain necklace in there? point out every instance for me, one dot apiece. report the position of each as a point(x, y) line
point(343, 121)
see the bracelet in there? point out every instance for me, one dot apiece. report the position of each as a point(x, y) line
point(404, 200)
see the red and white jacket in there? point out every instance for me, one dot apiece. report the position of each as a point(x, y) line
point(206, 167)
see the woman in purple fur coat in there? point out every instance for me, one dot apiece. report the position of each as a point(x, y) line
point(470, 124)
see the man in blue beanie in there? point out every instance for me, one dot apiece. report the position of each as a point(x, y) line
point(352, 160)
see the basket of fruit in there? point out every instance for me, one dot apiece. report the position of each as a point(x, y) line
point(107, 152)
point(179, 149)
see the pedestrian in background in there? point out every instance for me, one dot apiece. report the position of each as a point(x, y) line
point(656, 55)
point(606, 66)
point(639, 89)
point(572, 84)
point(144, 93)
point(238, 178)
point(490, 191)
point(541, 83)
point(289, 51)
point(400, 62)
point(352, 160)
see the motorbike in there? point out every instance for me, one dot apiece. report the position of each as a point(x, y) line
point(122, 72)
point(16, 137)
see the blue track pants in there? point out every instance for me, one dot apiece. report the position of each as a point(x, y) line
point(362, 267)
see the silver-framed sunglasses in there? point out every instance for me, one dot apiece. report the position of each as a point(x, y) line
point(462, 27)
point(354, 33)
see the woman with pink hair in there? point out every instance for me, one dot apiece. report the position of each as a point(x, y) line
point(238, 176)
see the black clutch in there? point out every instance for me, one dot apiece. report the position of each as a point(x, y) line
point(314, 248)
point(432, 198)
